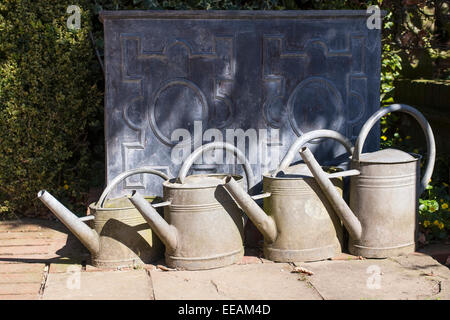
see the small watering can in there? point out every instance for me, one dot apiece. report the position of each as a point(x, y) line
point(120, 237)
point(300, 224)
point(382, 216)
point(203, 227)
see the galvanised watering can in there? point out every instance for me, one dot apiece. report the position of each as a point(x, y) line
point(202, 226)
point(120, 237)
point(298, 223)
point(382, 217)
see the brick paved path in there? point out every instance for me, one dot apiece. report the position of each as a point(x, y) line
point(27, 247)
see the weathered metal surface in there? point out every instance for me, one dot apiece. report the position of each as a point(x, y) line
point(295, 71)
point(382, 217)
point(120, 237)
point(203, 227)
point(298, 223)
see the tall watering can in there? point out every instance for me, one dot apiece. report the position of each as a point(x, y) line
point(120, 237)
point(382, 216)
point(202, 226)
point(300, 224)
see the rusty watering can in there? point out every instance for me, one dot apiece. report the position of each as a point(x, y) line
point(202, 226)
point(120, 237)
point(300, 224)
point(382, 216)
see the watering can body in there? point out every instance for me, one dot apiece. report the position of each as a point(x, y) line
point(202, 226)
point(209, 225)
point(119, 237)
point(384, 199)
point(382, 216)
point(125, 238)
point(308, 228)
point(298, 223)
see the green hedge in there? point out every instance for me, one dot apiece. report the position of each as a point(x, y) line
point(50, 103)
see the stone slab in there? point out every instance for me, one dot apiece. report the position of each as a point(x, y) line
point(19, 288)
point(429, 268)
point(21, 268)
point(25, 242)
point(26, 250)
point(65, 266)
point(249, 282)
point(19, 225)
point(371, 279)
point(113, 285)
point(35, 277)
point(5, 236)
point(19, 297)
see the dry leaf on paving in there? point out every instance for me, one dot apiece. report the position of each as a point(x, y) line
point(164, 268)
point(302, 270)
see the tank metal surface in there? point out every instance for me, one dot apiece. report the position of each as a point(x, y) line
point(282, 73)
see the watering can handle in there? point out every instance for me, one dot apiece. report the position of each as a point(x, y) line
point(295, 147)
point(125, 175)
point(423, 123)
point(216, 145)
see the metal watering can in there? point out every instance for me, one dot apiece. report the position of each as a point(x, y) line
point(202, 226)
point(382, 216)
point(300, 224)
point(120, 237)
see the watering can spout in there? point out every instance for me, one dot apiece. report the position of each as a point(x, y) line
point(264, 223)
point(166, 232)
point(86, 235)
point(349, 219)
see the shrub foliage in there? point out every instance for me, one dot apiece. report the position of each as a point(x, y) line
point(49, 101)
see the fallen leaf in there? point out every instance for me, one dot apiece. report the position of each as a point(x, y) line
point(302, 270)
point(164, 268)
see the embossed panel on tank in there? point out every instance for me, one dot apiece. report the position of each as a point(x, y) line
point(282, 73)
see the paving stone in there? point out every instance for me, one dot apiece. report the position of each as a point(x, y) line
point(19, 288)
point(370, 279)
point(19, 296)
point(251, 281)
point(25, 250)
point(263, 260)
point(428, 268)
point(65, 266)
point(23, 235)
point(25, 242)
point(21, 267)
point(20, 278)
point(117, 285)
point(18, 225)
point(250, 260)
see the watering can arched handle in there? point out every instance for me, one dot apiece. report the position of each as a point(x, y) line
point(125, 175)
point(423, 123)
point(295, 147)
point(216, 145)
